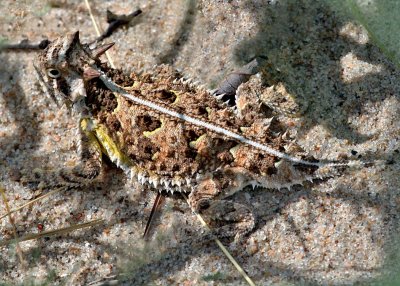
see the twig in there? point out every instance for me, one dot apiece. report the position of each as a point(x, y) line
point(230, 84)
point(26, 45)
point(115, 21)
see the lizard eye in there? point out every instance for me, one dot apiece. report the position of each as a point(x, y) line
point(53, 73)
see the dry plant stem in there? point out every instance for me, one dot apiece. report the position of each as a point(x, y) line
point(53, 232)
point(154, 210)
point(19, 251)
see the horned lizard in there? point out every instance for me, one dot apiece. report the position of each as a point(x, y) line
point(171, 134)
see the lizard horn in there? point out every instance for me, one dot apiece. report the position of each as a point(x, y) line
point(98, 51)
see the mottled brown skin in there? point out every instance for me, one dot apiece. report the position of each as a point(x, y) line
point(173, 141)
point(166, 152)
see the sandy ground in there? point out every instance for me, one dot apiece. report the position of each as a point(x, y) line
point(343, 230)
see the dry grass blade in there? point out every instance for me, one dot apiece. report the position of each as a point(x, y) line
point(19, 251)
point(9, 212)
point(53, 232)
point(108, 280)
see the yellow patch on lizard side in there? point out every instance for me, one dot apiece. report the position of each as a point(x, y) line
point(110, 148)
point(86, 126)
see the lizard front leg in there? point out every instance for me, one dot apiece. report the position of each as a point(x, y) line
point(226, 218)
point(80, 175)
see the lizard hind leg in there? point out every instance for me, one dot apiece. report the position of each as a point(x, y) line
point(230, 219)
point(282, 100)
point(252, 96)
point(225, 217)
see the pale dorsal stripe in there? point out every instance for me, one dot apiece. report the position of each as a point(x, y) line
point(117, 89)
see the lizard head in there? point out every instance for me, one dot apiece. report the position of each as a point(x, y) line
point(65, 65)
